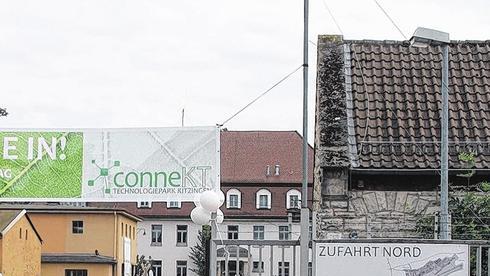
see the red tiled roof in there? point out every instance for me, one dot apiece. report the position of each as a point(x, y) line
point(393, 102)
point(245, 156)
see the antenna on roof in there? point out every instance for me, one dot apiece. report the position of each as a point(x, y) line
point(183, 114)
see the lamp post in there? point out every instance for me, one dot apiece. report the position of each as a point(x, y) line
point(424, 37)
point(305, 212)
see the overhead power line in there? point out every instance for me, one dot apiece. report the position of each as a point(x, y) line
point(333, 17)
point(261, 95)
point(391, 19)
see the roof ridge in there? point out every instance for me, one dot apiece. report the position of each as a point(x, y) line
point(389, 41)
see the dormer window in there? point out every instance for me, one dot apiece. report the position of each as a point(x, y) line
point(233, 199)
point(174, 204)
point(293, 199)
point(263, 199)
point(144, 204)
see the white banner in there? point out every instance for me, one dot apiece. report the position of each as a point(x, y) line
point(391, 259)
point(155, 164)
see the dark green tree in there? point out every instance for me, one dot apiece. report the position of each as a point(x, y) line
point(469, 209)
point(200, 252)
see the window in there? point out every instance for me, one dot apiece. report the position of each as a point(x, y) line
point(181, 268)
point(258, 232)
point(284, 233)
point(182, 235)
point(293, 199)
point(233, 199)
point(258, 267)
point(233, 232)
point(74, 204)
point(283, 268)
point(173, 204)
point(20, 233)
point(157, 268)
point(144, 204)
point(263, 199)
point(76, 272)
point(156, 234)
point(77, 227)
point(310, 269)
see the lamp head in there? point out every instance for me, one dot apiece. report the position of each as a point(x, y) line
point(423, 37)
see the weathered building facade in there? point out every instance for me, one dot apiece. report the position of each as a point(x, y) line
point(20, 245)
point(378, 130)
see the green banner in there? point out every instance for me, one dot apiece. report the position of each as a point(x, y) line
point(41, 164)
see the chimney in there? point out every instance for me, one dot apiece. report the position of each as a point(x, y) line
point(277, 170)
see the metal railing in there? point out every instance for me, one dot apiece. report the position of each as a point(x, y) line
point(232, 253)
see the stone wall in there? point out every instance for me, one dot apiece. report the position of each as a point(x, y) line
point(375, 214)
point(331, 118)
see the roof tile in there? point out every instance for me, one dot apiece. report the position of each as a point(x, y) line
point(396, 102)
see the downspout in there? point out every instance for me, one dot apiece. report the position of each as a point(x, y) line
point(114, 266)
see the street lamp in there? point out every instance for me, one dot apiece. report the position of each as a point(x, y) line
point(424, 37)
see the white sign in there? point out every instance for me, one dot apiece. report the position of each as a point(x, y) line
point(142, 164)
point(391, 259)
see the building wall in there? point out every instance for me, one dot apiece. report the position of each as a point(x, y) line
point(123, 223)
point(92, 269)
point(21, 253)
point(102, 232)
point(375, 214)
point(169, 253)
point(56, 230)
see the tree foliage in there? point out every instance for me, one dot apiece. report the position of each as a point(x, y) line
point(469, 209)
point(200, 252)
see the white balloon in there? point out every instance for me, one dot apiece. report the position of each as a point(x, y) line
point(210, 201)
point(200, 216)
point(219, 216)
point(221, 197)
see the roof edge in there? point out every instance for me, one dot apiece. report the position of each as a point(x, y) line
point(13, 222)
point(406, 42)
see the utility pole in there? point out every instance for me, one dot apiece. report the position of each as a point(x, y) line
point(305, 212)
point(444, 145)
point(213, 250)
point(424, 37)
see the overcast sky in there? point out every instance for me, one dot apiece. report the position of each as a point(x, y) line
point(137, 63)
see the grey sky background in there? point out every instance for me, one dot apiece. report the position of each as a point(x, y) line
point(137, 63)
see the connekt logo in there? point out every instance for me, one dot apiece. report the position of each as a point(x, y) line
point(192, 179)
point(103, 174)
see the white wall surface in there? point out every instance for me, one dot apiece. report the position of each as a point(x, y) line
point(169, 252)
